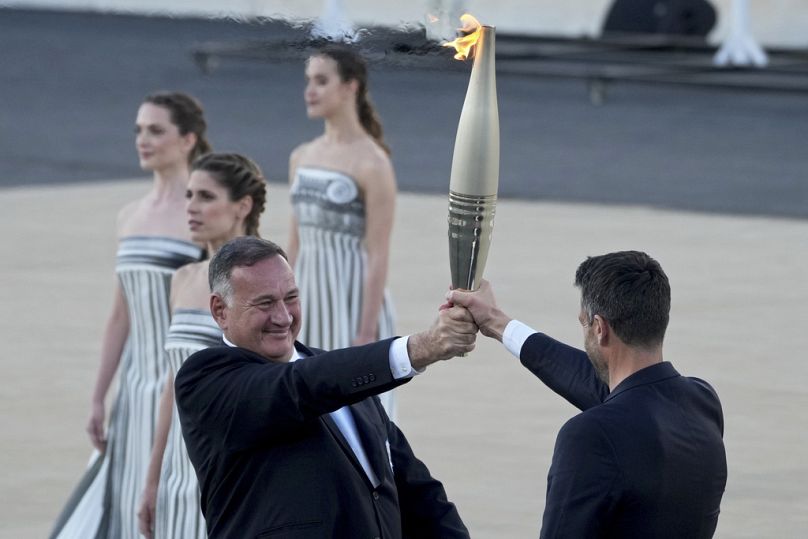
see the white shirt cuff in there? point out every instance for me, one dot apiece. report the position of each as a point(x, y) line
point(400, 364)
point(515, 335)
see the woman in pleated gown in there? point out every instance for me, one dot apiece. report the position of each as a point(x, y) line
point(225, 198)
point(343, 192)
point(153, 241)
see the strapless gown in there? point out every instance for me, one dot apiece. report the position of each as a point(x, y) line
point(177, 509)
point(104, 504)
point(331, 263)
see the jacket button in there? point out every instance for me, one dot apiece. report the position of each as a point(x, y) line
point(353, 383)
point(375, 495)
point(372, 377)
point(365, 379)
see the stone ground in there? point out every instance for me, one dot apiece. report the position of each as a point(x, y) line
point(484, 425)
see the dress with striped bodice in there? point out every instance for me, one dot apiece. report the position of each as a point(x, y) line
point(331, 262)
point(105, 503)
point(177, 509)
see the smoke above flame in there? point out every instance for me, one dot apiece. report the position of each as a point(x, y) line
point(463, 44)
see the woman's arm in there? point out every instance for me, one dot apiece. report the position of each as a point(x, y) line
point(293, 245)
point(148, 500)
point(115, 334)
point(379, 185)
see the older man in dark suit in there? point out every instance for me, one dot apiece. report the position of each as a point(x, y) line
point(292, 442)
point(646, 456)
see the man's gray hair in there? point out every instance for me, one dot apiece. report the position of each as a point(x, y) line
point(240, 252)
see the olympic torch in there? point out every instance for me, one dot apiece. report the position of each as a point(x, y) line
point(475, 162)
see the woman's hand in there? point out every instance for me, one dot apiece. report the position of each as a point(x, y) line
point(95, 426)
point(145, 514)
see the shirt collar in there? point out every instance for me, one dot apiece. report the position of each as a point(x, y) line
point(295, 354)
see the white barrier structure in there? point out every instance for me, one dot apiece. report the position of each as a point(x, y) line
point(740, 47)
point(334, 23)
point(778, 23)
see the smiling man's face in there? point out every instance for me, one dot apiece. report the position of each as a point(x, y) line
point(263, 314)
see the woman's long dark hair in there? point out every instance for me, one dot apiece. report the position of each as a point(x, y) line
point(351, 66)
point(187, 114)
point(241, 177)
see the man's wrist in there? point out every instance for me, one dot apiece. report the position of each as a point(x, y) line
point(418, 352)
point(400, 363)
point(496, 325)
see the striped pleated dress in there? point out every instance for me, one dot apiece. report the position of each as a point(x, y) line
point(105, 503)
point(331, 262)
point(177, 509)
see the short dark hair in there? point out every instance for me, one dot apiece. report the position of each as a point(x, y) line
point(630, 290)
point(240, 252)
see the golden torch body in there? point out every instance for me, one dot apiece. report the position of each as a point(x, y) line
point(475, 170)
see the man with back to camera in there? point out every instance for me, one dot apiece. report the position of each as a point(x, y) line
point(292, 442)
point(646, 456)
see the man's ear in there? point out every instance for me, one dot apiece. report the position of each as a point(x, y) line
point(602, 329)
point(218, 308)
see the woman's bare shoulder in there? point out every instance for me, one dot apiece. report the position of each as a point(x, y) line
point(190, 272)
point(301, 155)
point(374, 162)
point(126, 215)
point(189, 286)
point(304, 150)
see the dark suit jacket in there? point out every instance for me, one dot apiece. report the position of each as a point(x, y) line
point(272, 463)
point(646, 460)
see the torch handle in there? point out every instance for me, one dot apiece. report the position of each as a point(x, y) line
point(471, 222)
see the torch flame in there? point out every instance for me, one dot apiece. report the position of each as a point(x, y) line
point(472, 30)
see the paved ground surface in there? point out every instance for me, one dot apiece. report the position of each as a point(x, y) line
point(483, 423)
point(71, 84)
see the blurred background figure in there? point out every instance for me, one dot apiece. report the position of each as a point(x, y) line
point(677, 17)
point(343, 191)
point(154, 241)
point(225, 198)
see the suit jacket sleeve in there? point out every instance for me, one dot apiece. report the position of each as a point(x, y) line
point(583, 482)
point(240, 399)
point(564, 369)
point(426, 511)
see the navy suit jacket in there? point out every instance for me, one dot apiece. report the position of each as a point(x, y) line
point(646, 460)
point(272, 463)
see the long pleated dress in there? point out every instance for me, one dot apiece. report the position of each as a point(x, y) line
point(177, 509)
point(331, 263)
point(105, 503)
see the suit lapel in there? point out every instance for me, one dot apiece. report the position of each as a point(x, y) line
point(344, 445)
point(332, 427)
point(373, 436)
